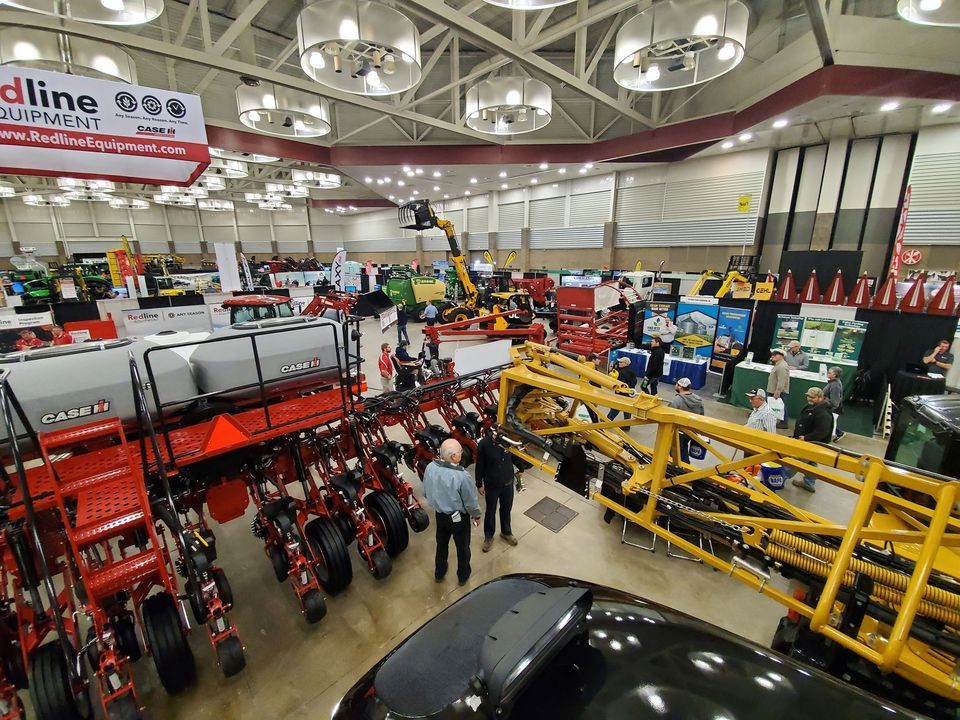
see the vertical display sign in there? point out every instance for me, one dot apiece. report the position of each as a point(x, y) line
point(848, 340)
point(901, 232)
point(787, 329)
point(733, 326)
point(658, 319)
point(697, 324)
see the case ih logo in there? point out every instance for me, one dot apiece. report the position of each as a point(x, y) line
point(76, 412)
point(305, 365)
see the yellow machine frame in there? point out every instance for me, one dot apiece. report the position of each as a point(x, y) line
point(927, 535)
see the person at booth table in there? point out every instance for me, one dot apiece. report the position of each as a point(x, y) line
point(940, 356)
point(796, 358)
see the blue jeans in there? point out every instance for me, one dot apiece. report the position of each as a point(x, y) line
point(810, 482)
point(613, 414)
point(402, 334)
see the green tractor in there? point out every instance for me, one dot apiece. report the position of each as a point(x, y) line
point(408, 286)
point(42, 284)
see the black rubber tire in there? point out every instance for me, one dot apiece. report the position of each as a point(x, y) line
point(127, 641)
point(382, 564)
point(388, 515)
point(314, 606)
point(50, 686)
point(199, 610)
point(347, 531)
point(123, 708)
point(223, 586)
point(333, 568)
point(466, 457)
point(230, 656)
point(458, 315)
point(279, 561)
point(168, 643)
point(419, 519)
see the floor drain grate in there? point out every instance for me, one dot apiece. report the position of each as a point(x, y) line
point(551, 514)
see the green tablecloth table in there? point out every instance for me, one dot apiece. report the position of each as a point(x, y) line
point(748, 375)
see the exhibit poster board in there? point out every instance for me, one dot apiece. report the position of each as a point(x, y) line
point(848, 339)
point(817, 335)
point(733, 326)
point(697, 324)
point(30, 331)
point(787, 329)
point(658, 319)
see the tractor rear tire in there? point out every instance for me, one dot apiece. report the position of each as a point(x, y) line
point(388, 516)
point(382, 564)
point(50, 690)
point(279, 561)
point(419, 520)
point(168, 643)
point(230, 656)
point(333, 568)
point(314, 606)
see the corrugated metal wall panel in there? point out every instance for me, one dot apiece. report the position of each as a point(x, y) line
point(394, 244)
point(638, 204)
point(98, 246)
point(511, 216)
point(935, 180)
point(570, 237)
point(932, 227)
point(454, 216)
point(187, 247)
point(710, 231)
point(546, 213)
point(256, 246)
point(436, 243)
point(589, 209)
point(146, 246)
point(711, 197)
point(478, 221)
point(508, 240)
point(478, 240)
point(292, 247)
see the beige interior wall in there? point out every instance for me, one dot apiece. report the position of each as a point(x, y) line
point(679, 259)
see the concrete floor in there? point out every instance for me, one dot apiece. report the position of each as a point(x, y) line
point(300, 671)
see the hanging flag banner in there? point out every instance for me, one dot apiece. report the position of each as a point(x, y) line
point(848, 339)
point(697, 324)
point(337, 276)
point(68, 125)
point(733, 325)
point(658, 319)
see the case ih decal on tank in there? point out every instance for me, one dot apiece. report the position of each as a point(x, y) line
point(124, 450)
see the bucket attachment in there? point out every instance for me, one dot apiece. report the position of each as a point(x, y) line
point(417, 215)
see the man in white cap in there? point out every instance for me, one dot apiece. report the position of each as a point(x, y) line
point(762, 417)
point(778, 386)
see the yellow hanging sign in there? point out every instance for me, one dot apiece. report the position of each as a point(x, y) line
point(743, 204)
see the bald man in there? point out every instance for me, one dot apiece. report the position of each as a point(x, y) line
point(450, 491)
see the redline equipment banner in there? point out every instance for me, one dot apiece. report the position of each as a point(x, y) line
point(57, 124)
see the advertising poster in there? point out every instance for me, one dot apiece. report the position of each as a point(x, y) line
point(787, 329)
point(31, 331)
point(658, 319)
point(817, 336)
point(733, 326)
point(848, 339)
point(763, 291)
point(697, 324)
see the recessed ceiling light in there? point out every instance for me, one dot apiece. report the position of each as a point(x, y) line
point(352, 207)
point(544, 166)
point(436, 188)
point(410, 173)
point(368, 179)
point(419, 171)
point(406, 168)
point(941, 107)
point(930, 5)
point(889, 105)
point(416, 192)
point(400, 183)
point(503, 173)
point(387, 180)
point(583, 171)
point(504, 186)
point(630, 178)
point(556, 185)
point(781, 123)
point(562, 171)
point(436, 173)
point(379, 181)
point(473, 181)
point(533, 181)
point(727, 145)
point(466, 192)
point(389, 197)
point(446, 197)
point(589, 166)
point(745, 137)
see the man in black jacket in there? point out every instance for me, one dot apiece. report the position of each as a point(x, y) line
point(495, 480)
point(654, 365)
point(625, 374)
point(815, 424)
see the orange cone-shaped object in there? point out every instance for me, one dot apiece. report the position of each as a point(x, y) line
point(787, 292)
point(834, 294)
point(811, 289)
point(943, 301)
point(860, 297)
point(886, 297)
point(915, 300)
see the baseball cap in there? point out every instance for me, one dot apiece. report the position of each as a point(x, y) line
point(623, 360)
point(757, 393)
point(778, 351)
point(684, 382)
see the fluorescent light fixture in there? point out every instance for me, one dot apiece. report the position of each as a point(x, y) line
point(368, 179)
point(562, 171)
point(533, 181)
point(583, 171)
point(407, 168)
point(940, 108)
point(436, 188)
point(437, 173)
point(889, 105)
point(473, 181)
point(745, 137)
point(503, 173)
point(418, 171)
point(727, 145)
point(400, 183)
point(781, 123)
point(504, 186)
point(544, 166)
point(466, 192)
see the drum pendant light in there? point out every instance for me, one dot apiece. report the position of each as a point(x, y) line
point(100, 12)
point(42, 50)
point(528, 4)
point(945, 13)
point(359, 46)
point(508, 106)
point(675, 44)
point(277, 110)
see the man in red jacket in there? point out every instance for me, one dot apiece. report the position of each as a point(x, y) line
point(385, 363)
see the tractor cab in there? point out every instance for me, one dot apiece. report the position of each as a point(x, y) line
point(249, 308)
point(926, 434)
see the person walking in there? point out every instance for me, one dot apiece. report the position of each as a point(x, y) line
point(779, 383)
point(453, 497)
point(689, 401)
point(385, 364)
point(795, 357)
point(833, 392)
point(625, 374)
point(403, 317)
point(495, 477)
point(654, 367)
point(761, 417)
point(814, 424)
point(430, 313)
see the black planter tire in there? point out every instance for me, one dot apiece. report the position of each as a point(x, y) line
point(314, 606)
point(347, 531)
point(199, 610)
point(223, 586)
point(168, 643)
point(388, 516)
point(382, 564)
point(279, 561)
point(466, 457)
point(333, 568)
point(127, 641)
point(50, 689)
point(419, 520)
point(230, 656)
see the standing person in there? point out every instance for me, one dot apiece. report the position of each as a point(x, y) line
point(385, 363)
point(939, 357)
point(815, 424)
point(761, 417)
point(779, 383)
point(495, 480)
point(833, 392)
point(430, 313)
point(403, 317)
point(449, 491)
point(654, 365)
point(687, 400)
point(625, 374)
point(795, 357)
